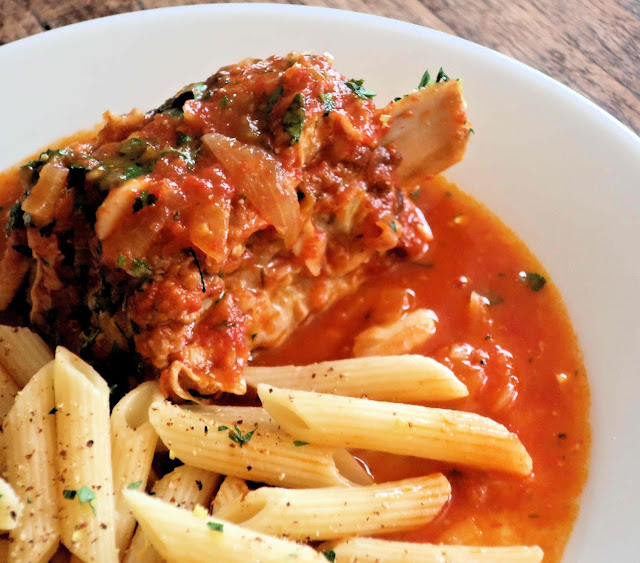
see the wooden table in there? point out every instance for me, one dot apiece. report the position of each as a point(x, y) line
point(593, 46)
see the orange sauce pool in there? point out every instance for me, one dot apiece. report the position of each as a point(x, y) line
point(518, 355)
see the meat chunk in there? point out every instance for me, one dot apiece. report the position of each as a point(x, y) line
point(218, 222)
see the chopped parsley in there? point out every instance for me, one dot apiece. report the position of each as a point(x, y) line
point(176, 215)
point(84, 494)
point(195, 259)
point(215, 526)
point(293, 118)
point(535, 282)
point(122, 261)
point(415, 194)
point(16, 218)
point(136, 170)
point(359, 90)
point(139, 268)
point(224, 101)
point(442, 76)
point(328, 103)
point(273, 99)
point(298, 443)
point(222, 428)
point(394, 227)
point(330, 555)
point(132, 486)
point(238, 437)
point(183, 139)
point(23, 249)
point(47, 230)
point(145, 199)
point(426, 77)
point(88, 340)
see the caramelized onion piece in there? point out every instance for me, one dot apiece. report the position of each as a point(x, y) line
point(262, 179)
point(42, 200)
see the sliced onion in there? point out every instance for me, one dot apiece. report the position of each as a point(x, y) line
point(263, 180)
point(42, 200)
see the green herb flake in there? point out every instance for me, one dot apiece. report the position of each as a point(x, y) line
point(273, 99)
point(238, 437)
point(222, 428)
point(133, 486)
point(112, 388)
point(330, 555)
point(183, 139)
point(293, 119)
point(29, 501)
point(299, 443)
point(69, 494)
point(145, 199)
point(224, 101)
point(328, 103)
point(393, 226)
point(16, 219)
point(137, 170)
point(215, 526)
point(139, 268)
point(442, 76)
point(47, 230)
point(122, 261)
point(85, 494)
point(359, 90)
point(426, 77)
point(195, 259)
point(534, 281)
point(415, 194)
point(23, 249)
point(176, 215)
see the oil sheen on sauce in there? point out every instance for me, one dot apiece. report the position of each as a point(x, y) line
point(515, 350)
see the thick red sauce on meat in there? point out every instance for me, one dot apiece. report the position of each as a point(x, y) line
point(521, 362)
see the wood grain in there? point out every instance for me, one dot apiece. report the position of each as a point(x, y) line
point(592, 46)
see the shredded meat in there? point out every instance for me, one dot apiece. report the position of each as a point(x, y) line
point(216, 223)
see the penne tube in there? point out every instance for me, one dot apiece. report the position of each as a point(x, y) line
point(369, 550)
point(400, 337)
point(22, 353)
point(261, 453)
point(335, 512)
point(440, 434)
point(181, 536)
point(8, 392)
point(30, 443)
point(10, 506)
point(133, 444)
point(231, 490)
point(85, 482)
point(383, 378)
point(185, 487)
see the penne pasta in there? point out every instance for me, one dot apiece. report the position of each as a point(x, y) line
point(30, 442)
point(185, 487)
point(368, 550)
point(22, 353)
point(261, 453)
point(133, 444)
point(232, 489)
point(10, 506)
point(181, 536)
point(8, 392)
point(440, 434)
point(85, 482)
point(383, 378)
point(400, 337)
point(335, 512)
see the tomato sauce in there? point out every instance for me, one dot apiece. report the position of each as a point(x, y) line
point(515, 350)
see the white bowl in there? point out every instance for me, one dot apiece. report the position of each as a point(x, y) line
point(561, 172)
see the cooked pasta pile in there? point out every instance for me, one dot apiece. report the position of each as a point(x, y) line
point(82, 476)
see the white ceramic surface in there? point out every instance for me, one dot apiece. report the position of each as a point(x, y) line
point(562, 173)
